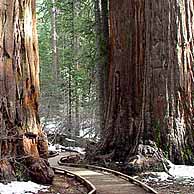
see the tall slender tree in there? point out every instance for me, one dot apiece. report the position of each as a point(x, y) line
point(20, 129)
point(102, 35)
point(54, 40)
point(150, 78)
point(76, 64)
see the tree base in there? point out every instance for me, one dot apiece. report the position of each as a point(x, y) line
point(33, 150)
point(148, 157)
point(7, 173)
point(40, 171)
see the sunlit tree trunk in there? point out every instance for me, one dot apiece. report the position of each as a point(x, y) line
point(150, 78)
point(20, 129)
point(54, 40)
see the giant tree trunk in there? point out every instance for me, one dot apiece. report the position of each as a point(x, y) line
point(150, 78)
point(21, 134)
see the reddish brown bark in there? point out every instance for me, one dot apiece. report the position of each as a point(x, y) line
point(20, 130)
point(150, 78)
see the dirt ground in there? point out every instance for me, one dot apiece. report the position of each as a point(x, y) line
point(171, 186)
point(65, 185)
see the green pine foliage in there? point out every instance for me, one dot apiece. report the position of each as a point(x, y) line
point(76, 42)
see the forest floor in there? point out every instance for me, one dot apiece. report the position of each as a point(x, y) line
point(61, 185)
point(65, 185)
point(174, 188)
point(168, 186)
point(178, 180)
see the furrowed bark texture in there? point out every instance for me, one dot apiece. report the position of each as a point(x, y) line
point(150, 78)
point(20, 130)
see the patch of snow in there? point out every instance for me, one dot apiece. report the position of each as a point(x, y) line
point(50, 127)
point(52, 148)
point(182, 173)
point(55, 147)
point(70, 140)
point(158, 176)
point(60, 148)
point(87, 133)
point(17, 187)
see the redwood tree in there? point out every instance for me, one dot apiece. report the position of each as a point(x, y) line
point(150, 78)
point(21, 135)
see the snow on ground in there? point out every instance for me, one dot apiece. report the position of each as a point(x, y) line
point(17, 187)
point(52, 148)
point(182, 173)
point(50, 128)
point(60, 148)
point(56, 147)
point(156, 177)
point(87, 132)
point(69, 140)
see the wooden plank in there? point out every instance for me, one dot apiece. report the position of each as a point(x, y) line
point(106, 181)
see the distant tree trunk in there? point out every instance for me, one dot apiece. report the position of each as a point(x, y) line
point(76, 64)
point(70, 99)
point(70, 72)
point(54, 40)
point(20, 129)
point(99, 69)
point(150, 78)
point(77, 116)
point(101, 18)
point(105, 45)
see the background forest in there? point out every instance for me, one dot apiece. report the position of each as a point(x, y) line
point(68, 66)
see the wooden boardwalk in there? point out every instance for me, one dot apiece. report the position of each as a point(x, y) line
point(105, 182)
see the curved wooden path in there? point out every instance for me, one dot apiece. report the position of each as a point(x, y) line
point(104, 180)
